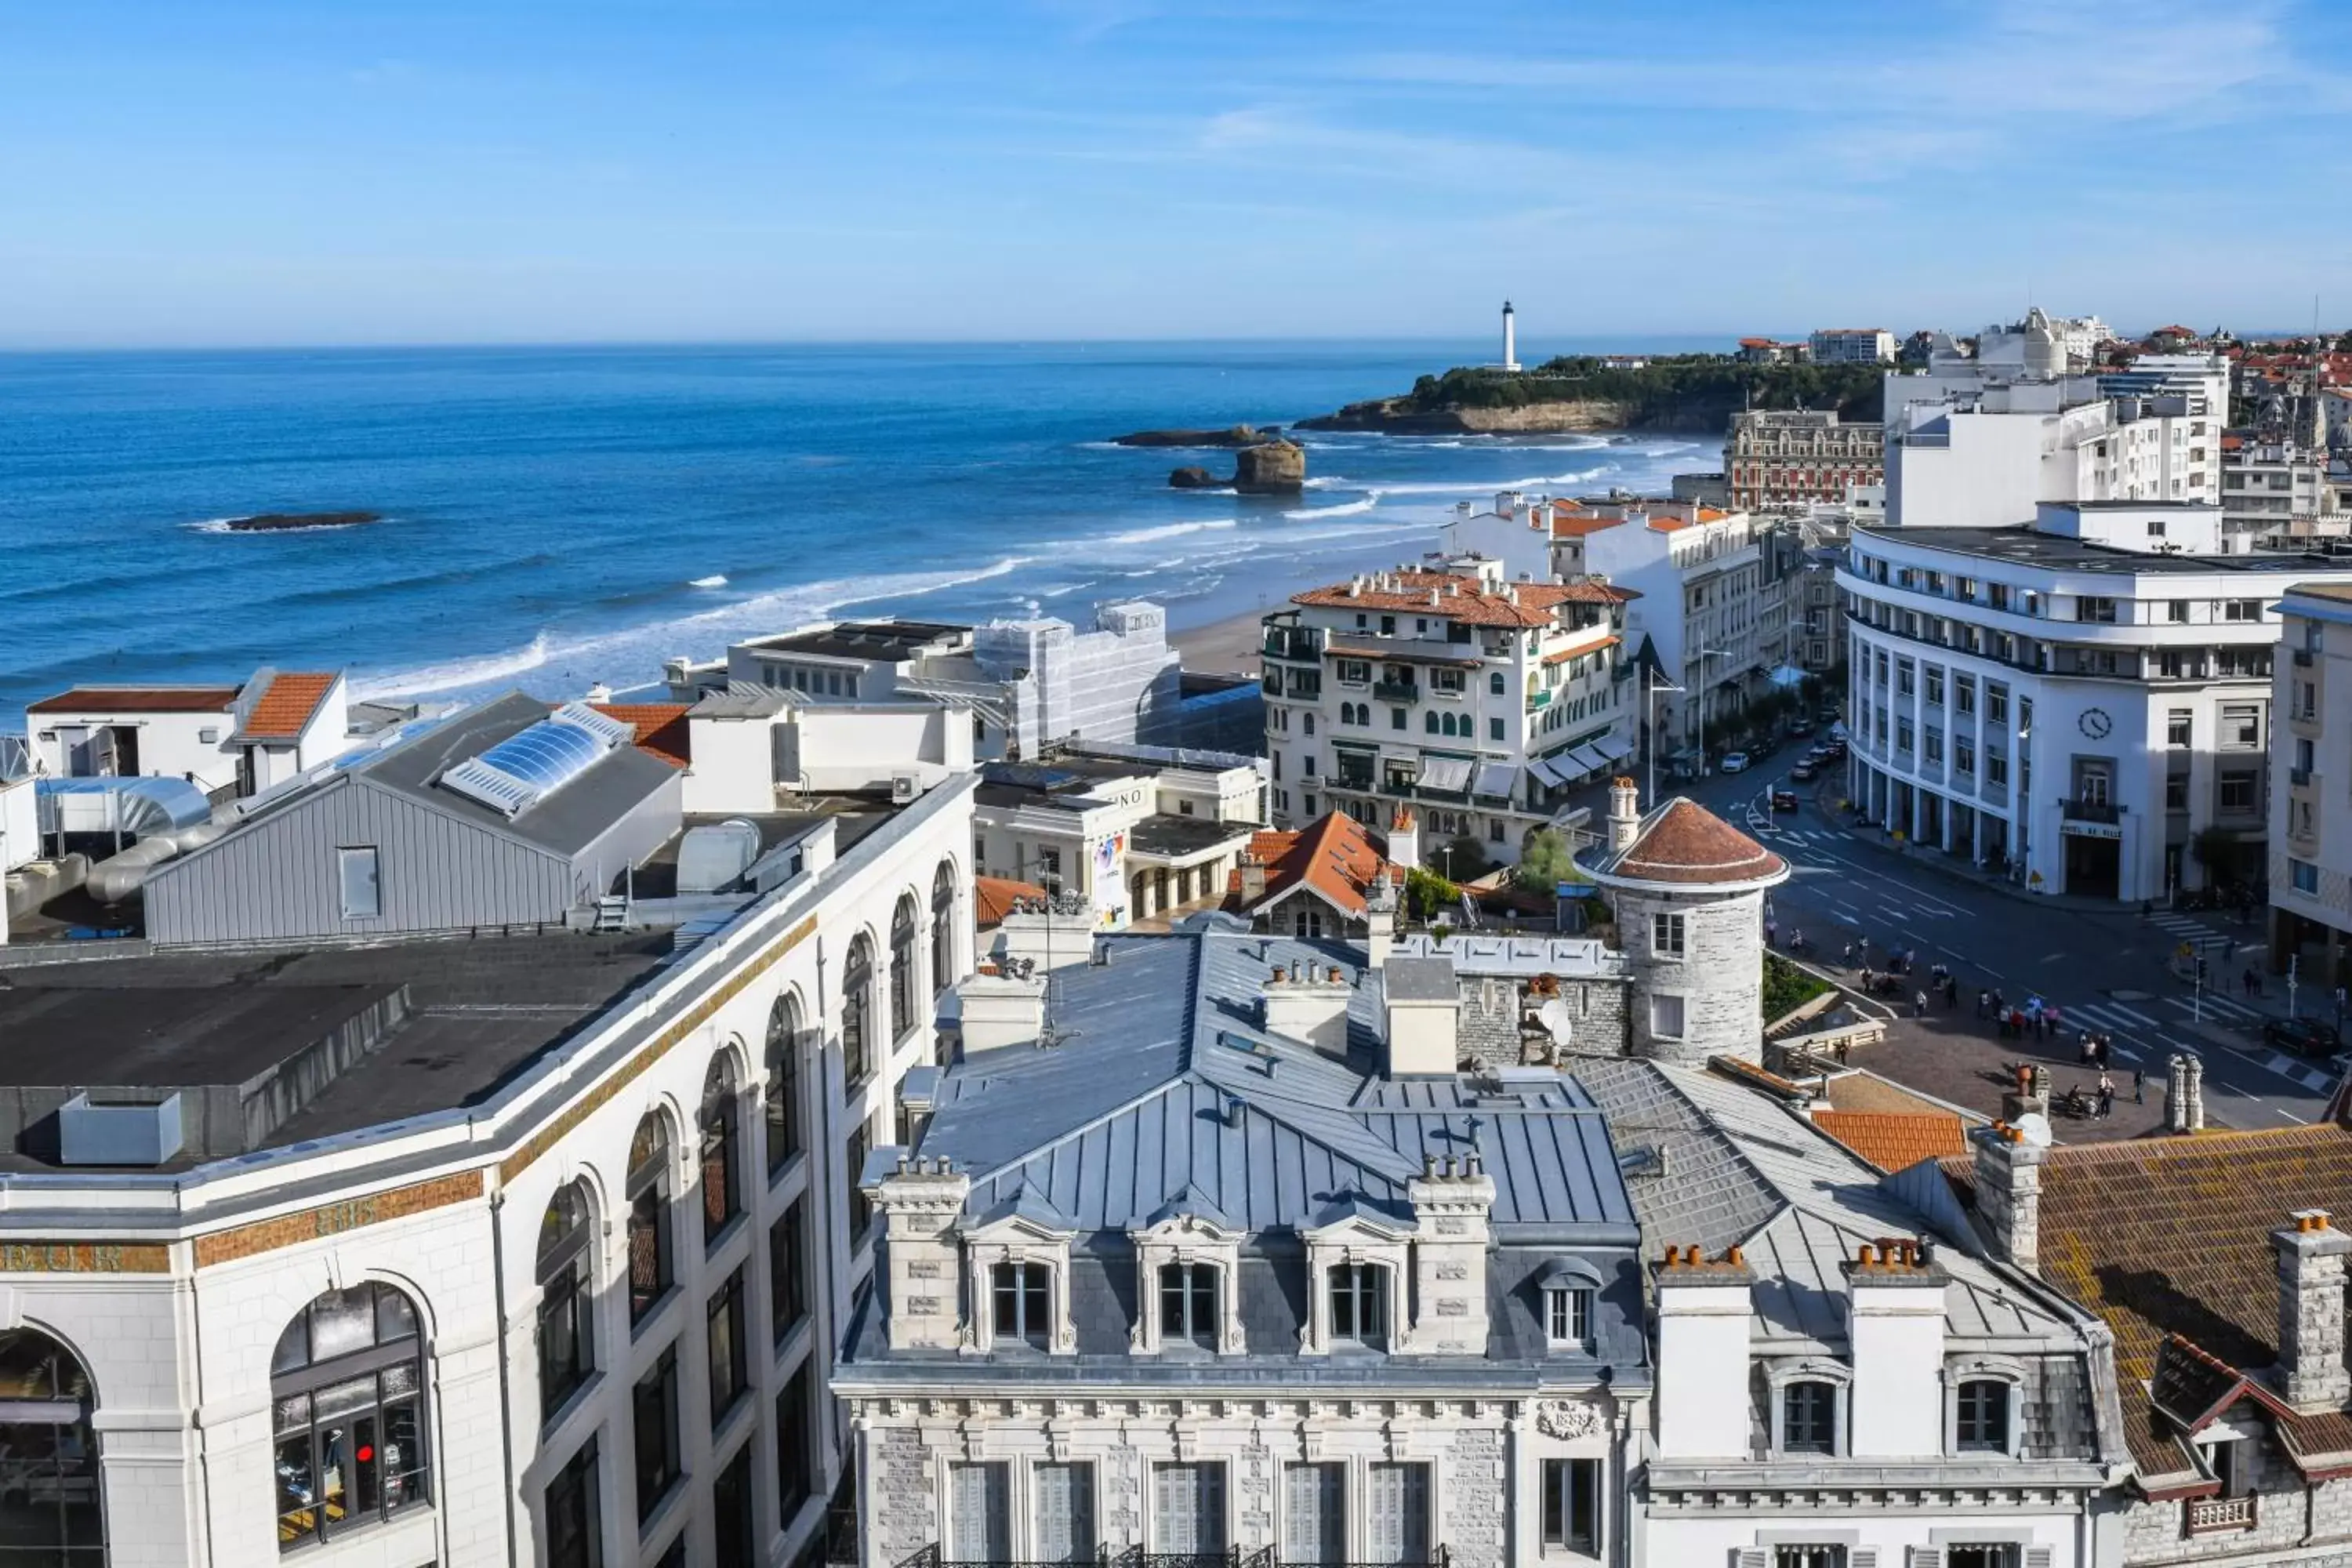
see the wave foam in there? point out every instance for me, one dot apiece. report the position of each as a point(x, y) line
point(714, 581)
point(1342, 508)
point(1168, 531)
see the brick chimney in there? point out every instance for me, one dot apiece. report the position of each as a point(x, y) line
point(2311, 1372)
point(2009, 1193)
point(1624, 814)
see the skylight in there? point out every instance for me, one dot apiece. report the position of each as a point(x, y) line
point(532, 764)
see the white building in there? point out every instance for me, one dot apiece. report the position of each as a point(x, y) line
point(2070, 700)
point(1029, 683)
point(1477, 698)
point(2310, 850)
point(1852, 345)
point(224, 739)
point(519, 1249)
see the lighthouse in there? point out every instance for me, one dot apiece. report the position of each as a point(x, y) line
point(1510, 338)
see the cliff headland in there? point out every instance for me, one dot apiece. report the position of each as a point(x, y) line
point(1694, 393)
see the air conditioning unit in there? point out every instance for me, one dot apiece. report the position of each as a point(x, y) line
point(905, 787)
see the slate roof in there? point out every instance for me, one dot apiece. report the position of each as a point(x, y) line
point(2172, 1237)
point(1894, 1141)
point(1682, 841)
point(285, 705)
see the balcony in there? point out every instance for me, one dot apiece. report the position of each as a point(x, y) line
point(2304, 657)
point(2299, 778)
point(1539, 700)
point(2211, 1515)
point(1397, 691)
point(2104, 811)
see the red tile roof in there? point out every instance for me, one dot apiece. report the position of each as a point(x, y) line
point(1684, 842)
point(286, 707)
point(1463, 599)
point(992, 899)
point(1891, 1141)
point(1336, 855)
point(661, 728)
point(139, 699)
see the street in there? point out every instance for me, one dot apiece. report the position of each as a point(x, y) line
point(2104, 969)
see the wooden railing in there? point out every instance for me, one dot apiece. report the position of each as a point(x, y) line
point(2208, 1515)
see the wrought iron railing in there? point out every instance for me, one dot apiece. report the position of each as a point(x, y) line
point(2092, 811)
point(1396, 690)
point(1136, 1557)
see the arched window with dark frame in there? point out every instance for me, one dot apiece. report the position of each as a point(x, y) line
point(783, 1096)
point(857, 1014)
point(347, 1388)
point(722, 1142)
point(49, 1509)
point(652, 1263)
point(943, 906)
point(905, 983)
point(567, 1300)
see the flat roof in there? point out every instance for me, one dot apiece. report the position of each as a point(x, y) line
point(139, 699)
point(880, 642)
point(2030, 546)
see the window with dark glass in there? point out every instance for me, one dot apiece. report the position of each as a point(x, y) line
point(50, 1501)
point(573, 1516)
point(1023, 1299)
point(725, 1321)
point(783, 1096)
point(567, 1309)
point(676, 1556)
point(653, 1409)
point(650, 1264)
point(787, 1271)
point(861, 1208)
point(346, 1387)
point(1572, 1505)
point(722, 1134)
point(903, 978)
point(857, 1014)
point(943, 904)
point(794, 1482)
point(1188, 1303)
point(1809, 1418)
point(1359, 1310)
point(730, 1513)
point(1984, 1416)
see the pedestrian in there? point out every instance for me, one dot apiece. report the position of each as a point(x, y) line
point(2254, 982)
point(2041, 1026)
point(2106, 1099)
point(2139, 1086)
point(1984, 1002)
point(1844, 1046)
point(1951, 991)
point(1772, 933)
point(1920, 1005)
point(1847, 958)
point(2107, 1047)
point(2051, 1013)
point(1999, 1002)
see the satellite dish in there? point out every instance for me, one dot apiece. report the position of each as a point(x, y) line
point(2034, 1128)
point(1553, 1015)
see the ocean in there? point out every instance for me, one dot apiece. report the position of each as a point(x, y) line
point(554, 518)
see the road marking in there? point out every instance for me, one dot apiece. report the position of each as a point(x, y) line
point(2054, 958)
point(2290, 1115)
point(2114, 1006)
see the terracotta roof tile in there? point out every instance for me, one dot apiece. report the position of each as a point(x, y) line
point(283, 711)
point(1895, 1143)
point(661, 728)
point(1336, 855)
point(138, 700)
point(992, 899)
point(1684, 842)
point(1463, 599)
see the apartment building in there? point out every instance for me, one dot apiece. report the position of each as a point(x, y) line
point(2311, 845)
point(1781, 458)
point(2272, 485)
point(2073, 699)
point(1852, 345)
point(227, 740)
point(1477, 699)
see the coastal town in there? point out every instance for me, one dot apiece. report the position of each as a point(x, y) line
point(1795, 1021)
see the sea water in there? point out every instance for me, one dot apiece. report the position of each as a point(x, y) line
point(554, 518)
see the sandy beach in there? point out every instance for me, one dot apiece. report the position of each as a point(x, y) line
point(1221, 646)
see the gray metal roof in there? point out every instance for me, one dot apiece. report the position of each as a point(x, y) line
point(1420, 979)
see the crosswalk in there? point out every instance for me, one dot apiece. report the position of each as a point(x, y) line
point(2189, 929)
point(2143, 1040)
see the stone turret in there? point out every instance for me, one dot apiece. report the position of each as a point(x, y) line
point(1689, 890)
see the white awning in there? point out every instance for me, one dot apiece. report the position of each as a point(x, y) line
point(1542, 768)
point(1612, 747)
point(1498, 779)
point(1450, 774)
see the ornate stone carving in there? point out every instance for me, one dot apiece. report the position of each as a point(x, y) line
point(1567, 1419)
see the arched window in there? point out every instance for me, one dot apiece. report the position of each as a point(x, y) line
point(783, 1092)
point(50, 1497)
point(652, 1267)
point(1307, 723)
point(944, 905)
point(857, 1014)
point(903, 987)
point(1809, 1418)
point(347, 1385)
point(1495, 682)
point(720, 1120)
point(1429, 723)
point(567, 1300)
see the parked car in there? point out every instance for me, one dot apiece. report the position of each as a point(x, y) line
point(1784, 799)
point(1805, 772)
point(2303, 1036)
point(1801, 726)
point(1734, 762)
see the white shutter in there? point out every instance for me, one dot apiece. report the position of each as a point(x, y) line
point(1066, 1513)
point(1387, 1514)
point(1172, 1510)
point(982, 1525)
point(1924, 1557)
point(1862, 1557)
point(1750, 1557)
point(1313, 1529)
point(2040, 1556)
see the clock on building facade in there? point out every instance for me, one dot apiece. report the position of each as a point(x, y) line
point(2095, 723)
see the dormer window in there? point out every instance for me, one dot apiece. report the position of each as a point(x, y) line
point(1357, 1305)
point(1809, 1418)
point(1984, 1417)
point(1024, 1302)
point(1188, 1304)
point(1568, 1317)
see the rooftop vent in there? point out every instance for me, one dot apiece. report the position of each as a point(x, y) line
point(122, 1131)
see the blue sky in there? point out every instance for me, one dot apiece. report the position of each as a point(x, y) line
point(363, 170)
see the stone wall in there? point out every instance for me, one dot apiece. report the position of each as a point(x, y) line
point(902, 1510)
point(1473, 1528)
point(1719, 976)
point(2282, 1533)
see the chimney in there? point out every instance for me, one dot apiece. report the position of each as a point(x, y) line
point(1306, 1006)
point(1424, 1024)
point(1450, 1208)
point(1001, 1009)
point(1624, 814)
point(1704, 1309)
point(2009, 1193)
point(1046, 939)
point(1404, 839)
point(1380, 923)
point(2310, 1371)
point(918, 1203)
point(1253, 870)
point(1895, 1329)
point(2184, 1094)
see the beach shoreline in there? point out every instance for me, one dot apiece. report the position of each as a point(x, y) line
point(1227, 647)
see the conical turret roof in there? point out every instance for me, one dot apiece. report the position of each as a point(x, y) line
point(1683, 843)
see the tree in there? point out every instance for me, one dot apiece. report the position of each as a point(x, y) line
point(1464, 859)
point(1545, 863)
point(1428, 895)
